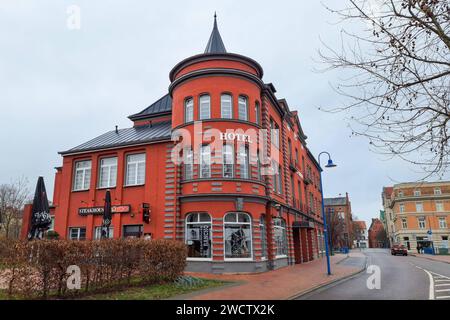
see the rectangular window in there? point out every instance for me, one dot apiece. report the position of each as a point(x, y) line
point(132, 231)
point(205, 107)
point(275, 134)
point(77, 233)
point(189, 110)
point(442, 223)
point(437, 191)
point(108, 172)
point(226, 106)
point(205, 162)
point(188, 163)
point(402, 207)
point(257, 114)
point(98, 233)
point(274, 176)
point(400, 193)
point(416, 193)
point(439, 206)
point(244, 162)
point(82, 178)
point(135, 174)
point(280, 186)
point(242, 108)
point(419, 206)
point(421, 222)
point(228, 161)
point(404, 223)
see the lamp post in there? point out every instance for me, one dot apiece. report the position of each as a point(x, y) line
point(329, 164)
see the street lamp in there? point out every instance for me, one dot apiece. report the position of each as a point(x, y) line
point(329, 164)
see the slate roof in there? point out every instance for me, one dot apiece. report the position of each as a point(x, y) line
point(162, 105)
point(215, 43)
point(361, 224)
point(339, 201)
point(125, 137)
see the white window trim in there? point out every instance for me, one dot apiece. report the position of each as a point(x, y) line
point(246, 154)
point(202, 106)
point(100, 227)
point(251, 237)
point(189, 107)
point(200, 171)
point(136, 170)
point(245, 105)
point(210, 234)
point(108, 166)
point(78, 234)
point(231, 106)
point(83, 170)
point(189, 160)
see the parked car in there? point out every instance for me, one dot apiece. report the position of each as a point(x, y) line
point(399, 249)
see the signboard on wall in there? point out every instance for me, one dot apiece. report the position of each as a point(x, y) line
point(125, 208)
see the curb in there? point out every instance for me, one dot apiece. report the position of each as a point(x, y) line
point(331, 283)
point(414, 255)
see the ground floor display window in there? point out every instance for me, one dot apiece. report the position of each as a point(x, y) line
point(279, 230)
point(98, 233)
point(237, 236)
point(77, 233)
point(132, 231)
point(198, 235)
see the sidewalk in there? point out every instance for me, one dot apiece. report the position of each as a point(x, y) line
point(279, 284)
point(441, 258)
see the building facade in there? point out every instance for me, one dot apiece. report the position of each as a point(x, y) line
point(387, 215)
point(420, 214)
point(341, 206)
point(377, 234)
point(218, 162)
point(361, 236)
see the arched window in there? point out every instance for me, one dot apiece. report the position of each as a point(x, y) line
point(237, 236)
point(243, 108)
point(228, 161)
point(226, 106)
point(198, 235)
point(279, 230)
point(205, 107)
point(257, 113)
point(189, 110)
point(262, 230)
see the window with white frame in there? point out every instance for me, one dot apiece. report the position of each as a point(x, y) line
point(135, 174)
point(82, 175)
point(98, 233)
point(421, 222)
point(439, 206)
point(226, 106)
point(279, 183)
point(279, 230)
point(417, 193)
point(400, 193)
point(242, 108)
point(437, 191)
point(442, 223)
point(188, 163)
point(189, 110)
point(77, 233)
point(262, 231)
point(402, 207)
point(205, 107)
point(419, 206)
point(108, 172)
point(244, 161)
point(205, 161)
point(404, 223)
point(274, 176)
point(228, 161)
point(257, 113)
point(237, 235)
point(198, 235)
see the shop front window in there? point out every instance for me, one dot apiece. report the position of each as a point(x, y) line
point(198, 235)
point(279, 230)
point(98, 233)
point(237, 236)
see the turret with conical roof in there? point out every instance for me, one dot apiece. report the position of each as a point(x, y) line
point(215, 43)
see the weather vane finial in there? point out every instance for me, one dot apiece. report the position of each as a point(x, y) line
point(215, 15)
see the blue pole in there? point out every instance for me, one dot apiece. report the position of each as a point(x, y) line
point(325, 226)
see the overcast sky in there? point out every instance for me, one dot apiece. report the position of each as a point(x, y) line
point(61, 87)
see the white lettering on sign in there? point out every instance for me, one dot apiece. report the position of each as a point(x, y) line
point(235, 136)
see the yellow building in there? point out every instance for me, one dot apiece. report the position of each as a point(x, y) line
point(421, 214)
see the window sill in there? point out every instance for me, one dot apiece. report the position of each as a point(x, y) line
point(134, 185)
point(81, 190)
point(105, 188)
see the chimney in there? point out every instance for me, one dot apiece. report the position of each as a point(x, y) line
point(117, 129)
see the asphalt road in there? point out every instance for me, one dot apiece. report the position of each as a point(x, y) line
point(401, 278)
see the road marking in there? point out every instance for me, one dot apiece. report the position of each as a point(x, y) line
point(442, 280)
point(442, 284)
point(443, 297)
point(443, 290)
point(431, 290)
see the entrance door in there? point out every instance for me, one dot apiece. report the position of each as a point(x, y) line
point(303, 240)
point(297, 244)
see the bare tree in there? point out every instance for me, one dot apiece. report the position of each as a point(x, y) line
point(398, 83)
point(13, 197)
point(336, 227)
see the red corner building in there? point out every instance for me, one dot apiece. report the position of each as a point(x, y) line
point(251, 205)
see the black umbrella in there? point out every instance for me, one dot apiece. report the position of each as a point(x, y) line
point(107, 215)
point(40, 216)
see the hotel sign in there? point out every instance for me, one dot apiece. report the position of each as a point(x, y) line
point(235, 136)
point(99, 210)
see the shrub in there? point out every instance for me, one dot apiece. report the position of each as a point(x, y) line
point(52, 235)
point(39, 268)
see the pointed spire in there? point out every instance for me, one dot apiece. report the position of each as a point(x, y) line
point(215, 43)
